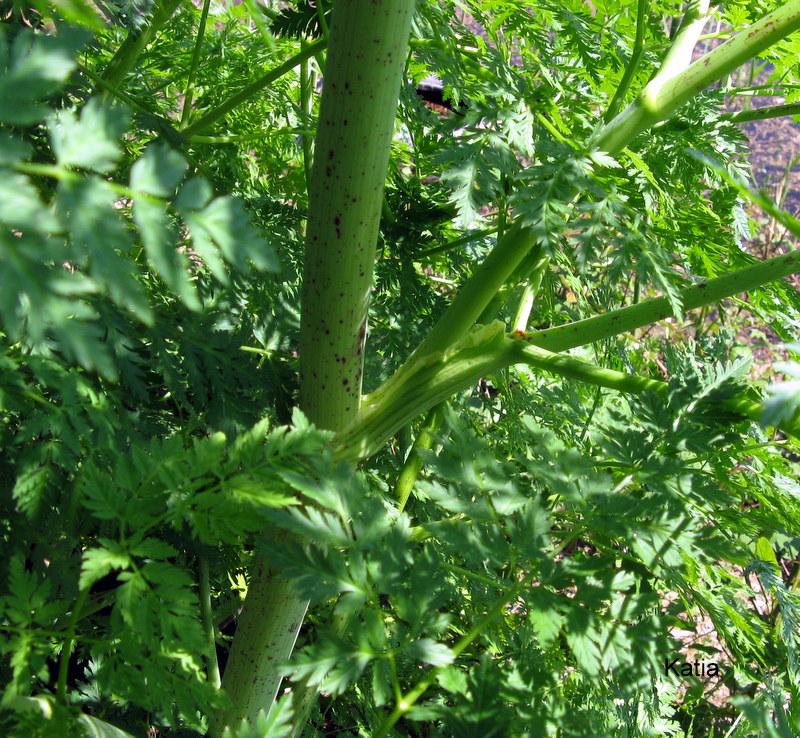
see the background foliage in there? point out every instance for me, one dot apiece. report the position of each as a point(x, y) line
point(560, 538)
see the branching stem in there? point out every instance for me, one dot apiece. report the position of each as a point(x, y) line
point(674, 85)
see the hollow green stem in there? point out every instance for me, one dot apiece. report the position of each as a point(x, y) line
point(351, 157)
point(248, 91)
point(265, 635)
point(366, 53)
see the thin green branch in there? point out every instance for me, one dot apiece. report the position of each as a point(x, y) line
point(256, 13)
point(776, 88)
point(413, 463)
point(529, 294)
point(207, 620)
point(650, 311)
point(306, 103)
point(772, 111)
point(134, 44)
point(67, 646)
point(198, 45)
point(633, 63)
point(255, 87)
point(407, 701)
point(455, 243)
point(512, 247)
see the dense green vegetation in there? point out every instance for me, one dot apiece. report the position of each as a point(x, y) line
point(309, 381)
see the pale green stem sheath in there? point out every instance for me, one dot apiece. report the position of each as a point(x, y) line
point(629, 318)
point(427, 434)
point(131, 48)
point(534, 262)
point(253, 88)
point(367, 50)
point(668, 90)
point(485, 351)
point(420, 384)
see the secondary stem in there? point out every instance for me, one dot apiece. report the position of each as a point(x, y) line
point(198, 46)
point(413, 463)
point(650, 311)
point(212, 666)
point(771, 111)
point(633, 63)
point(669, 90)
point(122, 62)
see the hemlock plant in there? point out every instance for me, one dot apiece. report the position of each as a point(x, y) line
point(201, 275)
